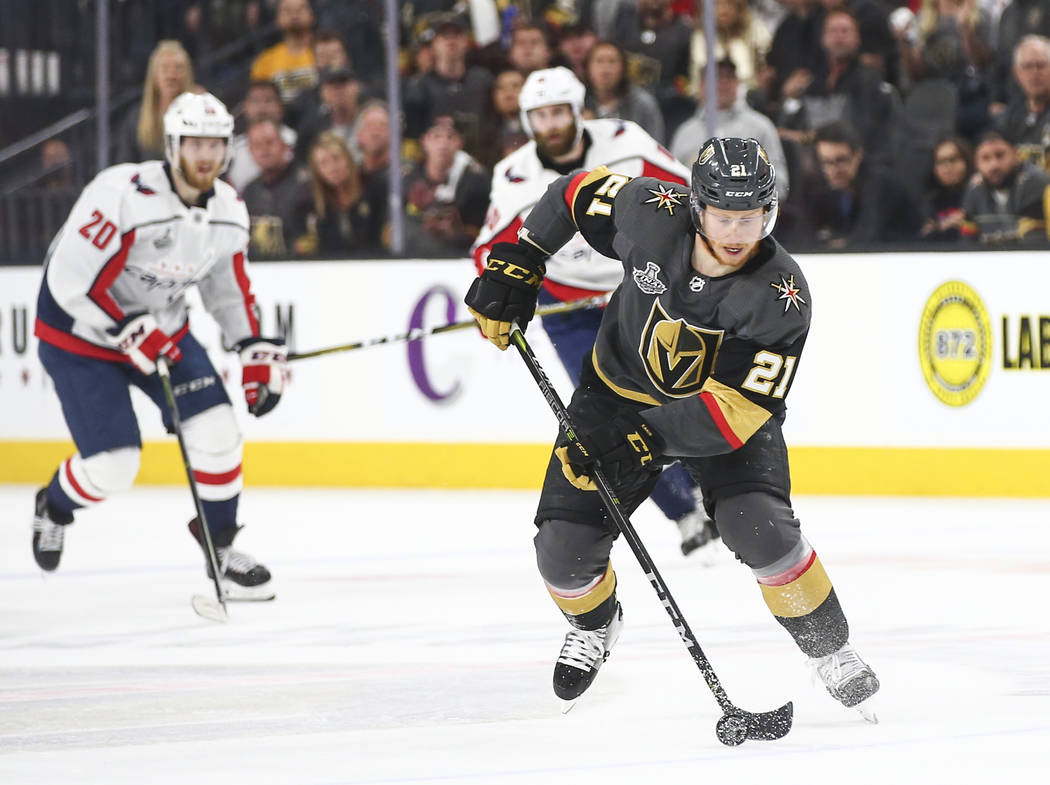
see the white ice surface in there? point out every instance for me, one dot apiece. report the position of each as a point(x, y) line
point(412, 641)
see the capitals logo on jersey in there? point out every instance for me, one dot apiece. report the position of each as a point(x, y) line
point(678, 356)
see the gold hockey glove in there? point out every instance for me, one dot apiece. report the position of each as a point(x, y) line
point(625, 448)
point(506, 291)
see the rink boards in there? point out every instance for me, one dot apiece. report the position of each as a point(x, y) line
point(924, 374)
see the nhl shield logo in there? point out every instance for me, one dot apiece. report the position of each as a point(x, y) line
point(678, 356)
point(648, 280)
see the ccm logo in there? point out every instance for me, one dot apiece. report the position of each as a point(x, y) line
point(739, 193)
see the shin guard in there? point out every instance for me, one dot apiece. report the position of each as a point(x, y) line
point(799, 593)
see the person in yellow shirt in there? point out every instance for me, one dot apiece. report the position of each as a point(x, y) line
point(290, 64)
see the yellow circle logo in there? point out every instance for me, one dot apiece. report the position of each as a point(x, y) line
point(955, 343)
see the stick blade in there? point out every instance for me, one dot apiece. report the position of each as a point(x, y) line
point(209, 608)
point(770, 725)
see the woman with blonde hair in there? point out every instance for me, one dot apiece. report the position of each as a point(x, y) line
point(168, 75)
point(739, 36)
point(342, 216)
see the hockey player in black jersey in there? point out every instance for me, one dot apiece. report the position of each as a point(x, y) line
point(694, 359)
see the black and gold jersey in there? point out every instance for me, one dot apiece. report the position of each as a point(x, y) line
point(713, 356)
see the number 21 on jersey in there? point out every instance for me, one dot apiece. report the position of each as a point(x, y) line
point(613, 184)
point(769, 366)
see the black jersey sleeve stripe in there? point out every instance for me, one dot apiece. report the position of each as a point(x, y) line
point(591, 201)
point(578, 182)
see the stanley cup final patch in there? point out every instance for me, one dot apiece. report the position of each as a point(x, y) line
point(648, 280)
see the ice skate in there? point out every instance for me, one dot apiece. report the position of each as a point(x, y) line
point(848, 679)
point(581, 656)
point(49, 530)
point(697, 530)
point(242, 577)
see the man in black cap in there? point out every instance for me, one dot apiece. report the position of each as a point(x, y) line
point(451, 88)
point(338, 111)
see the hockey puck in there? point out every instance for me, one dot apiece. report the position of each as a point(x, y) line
point(731, 730)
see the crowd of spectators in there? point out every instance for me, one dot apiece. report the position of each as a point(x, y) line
point(919, 124)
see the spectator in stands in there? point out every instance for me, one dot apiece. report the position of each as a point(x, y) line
point(611, 94)
point(613, 20)
point(56, 165)
point(261, 102)
point(501, 129)
point(574, 42)
point(1007, 202)
point(942, 201)
point(290, 63)
point(373, 140)
point(530, 49)
point(359, 25)
point(168, 75)
point(856, 204)
point(951, 40)
point(451, 88)
point(446, 194)
point(733, 118)
point(330, 53)
point(740, 36)
point(660, 50)
point(878, 47)
point(340, 217)
point(1026, 121)
point(1019, 18)
point(226, 22)
point(842, 90)
point(795, 48)
point(337, 113)
point(274, 196)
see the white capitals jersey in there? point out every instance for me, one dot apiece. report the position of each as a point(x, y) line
point(520, 179)
point(130, 245)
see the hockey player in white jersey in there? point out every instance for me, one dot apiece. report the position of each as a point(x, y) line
point(551, 102)
point(112, 303)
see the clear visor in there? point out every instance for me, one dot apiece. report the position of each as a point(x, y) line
point(725, 226)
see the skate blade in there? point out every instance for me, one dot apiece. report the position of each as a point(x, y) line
point(866, 709)
point(566, 705)
point(237, 593)
point(208, 608)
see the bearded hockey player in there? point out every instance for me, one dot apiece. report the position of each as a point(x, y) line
point(551, 102)
point(694, 360)
point(112, 303)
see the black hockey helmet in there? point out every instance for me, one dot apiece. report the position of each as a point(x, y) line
point(734, 174)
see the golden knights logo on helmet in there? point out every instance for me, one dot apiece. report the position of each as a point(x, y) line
point(677, 356)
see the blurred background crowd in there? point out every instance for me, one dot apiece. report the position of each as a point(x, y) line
point(897, 126)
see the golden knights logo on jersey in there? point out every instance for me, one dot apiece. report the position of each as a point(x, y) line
point(677, 356)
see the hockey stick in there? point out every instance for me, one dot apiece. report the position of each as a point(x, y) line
point(204, 606)
point(422, 332)
point(735, 725)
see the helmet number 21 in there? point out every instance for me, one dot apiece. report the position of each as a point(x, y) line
point(769, 366)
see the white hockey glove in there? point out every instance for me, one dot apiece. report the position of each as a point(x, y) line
point(264, 363)
point(142, 341)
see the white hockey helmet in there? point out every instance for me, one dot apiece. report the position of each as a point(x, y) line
point(196, 114)
point(550, 87)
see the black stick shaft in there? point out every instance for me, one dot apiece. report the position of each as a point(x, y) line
point(623, 523)
point(423, 332)
point(176, 420)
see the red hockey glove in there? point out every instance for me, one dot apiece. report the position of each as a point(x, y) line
point(506, 291)
point(624, 448)
point(142, 341)
point(263, 370)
